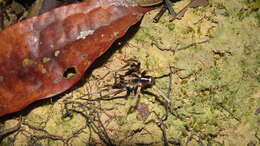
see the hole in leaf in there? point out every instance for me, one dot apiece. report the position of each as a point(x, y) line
point(70, 72)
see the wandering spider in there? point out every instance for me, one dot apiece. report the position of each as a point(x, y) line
point(131, 79)
point(134, 80)
point(128, 79)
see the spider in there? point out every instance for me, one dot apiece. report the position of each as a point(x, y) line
point(134, 80)
point(131, 80)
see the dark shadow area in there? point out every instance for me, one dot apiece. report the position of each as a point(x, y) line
point(174, 1)
point(26, 3)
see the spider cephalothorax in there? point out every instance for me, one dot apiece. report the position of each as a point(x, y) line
point(134, 80)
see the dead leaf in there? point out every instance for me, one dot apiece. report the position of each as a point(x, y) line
point(45, 55)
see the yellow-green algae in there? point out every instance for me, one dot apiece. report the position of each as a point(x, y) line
point(216, 102)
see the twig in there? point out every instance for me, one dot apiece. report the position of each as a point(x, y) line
point(192, 4)
point(163, 49)
point(6, 132)
point(192, 44)
point(228, 111)
point(159, 15)
point(169, 7)
point(163, 127)
point(47, 134)
point(178, 49)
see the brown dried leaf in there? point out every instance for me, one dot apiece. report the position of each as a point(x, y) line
point(45, 55)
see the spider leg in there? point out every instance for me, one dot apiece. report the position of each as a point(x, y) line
point(162, 102)
point(166, 102)
point(124, 68)
point(138, 91)
point(133, 108)
point(112, 96)
point(118, 92)
point(133, 64)
point(109, 96)
point(94, 93)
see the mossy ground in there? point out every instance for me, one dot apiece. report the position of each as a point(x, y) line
point(215, 99)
